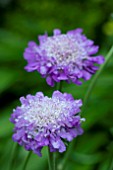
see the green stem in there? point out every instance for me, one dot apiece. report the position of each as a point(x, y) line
point(26, 160)
point(60, 86)
point(111, 166)
point(13, 155)
point(51, 160)
point(94, 80)
point(62, 166)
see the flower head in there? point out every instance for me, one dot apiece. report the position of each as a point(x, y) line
point(42, 121)
point(63, 57)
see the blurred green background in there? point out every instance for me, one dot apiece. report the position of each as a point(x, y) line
point(23, 20)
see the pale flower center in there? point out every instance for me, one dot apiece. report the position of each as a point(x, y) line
point(45, 112)
point(64, 48)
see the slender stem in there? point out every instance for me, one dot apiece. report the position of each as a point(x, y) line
point(111, 166)
point(26, 160)
point(54, 161)
point(60, 86)
point(13, 153)
point(51, 160)
point(94, 80)
point(62, 166)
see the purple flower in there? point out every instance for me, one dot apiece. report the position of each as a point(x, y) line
point(42, 121)
point(66, 57)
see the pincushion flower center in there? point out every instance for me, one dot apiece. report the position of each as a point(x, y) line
point(45, 112)
point(64, 48)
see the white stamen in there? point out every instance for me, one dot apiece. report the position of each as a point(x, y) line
point(64, 48)
point(44, 112)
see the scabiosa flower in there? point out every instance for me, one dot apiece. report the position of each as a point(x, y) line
point(66, 57)
point(42, 121)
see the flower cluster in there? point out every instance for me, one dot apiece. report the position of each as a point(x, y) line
point(42, 121)
point(66, 57)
